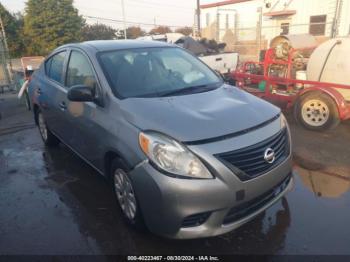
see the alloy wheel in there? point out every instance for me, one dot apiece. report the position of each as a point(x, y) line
point(125, 194)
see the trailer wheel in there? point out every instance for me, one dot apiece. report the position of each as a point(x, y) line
point(317, 111)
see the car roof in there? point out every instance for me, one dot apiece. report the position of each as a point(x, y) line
point(109, 45)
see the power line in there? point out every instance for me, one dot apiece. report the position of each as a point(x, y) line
point(157, 4)
point(128, 22)
point(150, 20)
point(153, 5)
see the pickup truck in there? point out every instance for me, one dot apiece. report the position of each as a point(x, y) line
point(211, 54)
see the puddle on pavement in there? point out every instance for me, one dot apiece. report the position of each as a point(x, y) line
point(324, 184)
point(323, 180)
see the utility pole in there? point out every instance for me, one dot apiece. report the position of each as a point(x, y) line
point(4, 54)
point(199, 17)
point(217, 26)
point(336, 19)
point(124, 19)
point(259, 30)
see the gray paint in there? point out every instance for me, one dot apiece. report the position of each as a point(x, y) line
point(113, 125)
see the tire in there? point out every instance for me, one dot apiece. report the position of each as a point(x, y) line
point(122, 185)
point(48, 138)
point(317, 111)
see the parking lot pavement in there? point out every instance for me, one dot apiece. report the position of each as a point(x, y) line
point(51, 202)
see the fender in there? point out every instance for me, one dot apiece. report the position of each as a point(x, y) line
point(343, 108)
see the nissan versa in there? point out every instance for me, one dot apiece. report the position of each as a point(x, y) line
point(188, 156)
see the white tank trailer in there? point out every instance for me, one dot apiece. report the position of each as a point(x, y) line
point(330, 62)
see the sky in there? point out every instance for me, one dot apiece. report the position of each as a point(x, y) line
point(146, 12)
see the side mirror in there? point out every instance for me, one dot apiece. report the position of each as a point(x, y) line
point(81, 93)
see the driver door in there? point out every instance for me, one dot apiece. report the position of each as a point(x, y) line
point(85, 132)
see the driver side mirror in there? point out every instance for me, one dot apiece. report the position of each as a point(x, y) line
point(81, 93)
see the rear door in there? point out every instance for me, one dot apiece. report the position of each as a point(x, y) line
point(52, 95)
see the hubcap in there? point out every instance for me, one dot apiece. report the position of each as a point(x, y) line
point(125, 193)
point(315, 113)
point(42, 126)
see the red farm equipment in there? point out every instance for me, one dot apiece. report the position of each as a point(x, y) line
point(281, 80)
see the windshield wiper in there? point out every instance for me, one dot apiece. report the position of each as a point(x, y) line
point(190, 90)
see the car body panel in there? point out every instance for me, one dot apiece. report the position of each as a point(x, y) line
point(197, 117)
point(202, 122)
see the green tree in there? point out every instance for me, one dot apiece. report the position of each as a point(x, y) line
point(13, 24)
point(98, 32)
point(49, 24)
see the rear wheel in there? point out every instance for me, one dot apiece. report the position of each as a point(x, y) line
point(27, 100)
point(49, 139)
point(317, 111)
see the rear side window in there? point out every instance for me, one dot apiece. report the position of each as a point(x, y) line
point(79, 71)
point(54, 67)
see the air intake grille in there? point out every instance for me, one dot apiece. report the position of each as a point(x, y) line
point(195, 220)
point(249, 162)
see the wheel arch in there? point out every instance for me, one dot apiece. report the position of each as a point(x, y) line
point(109, 157)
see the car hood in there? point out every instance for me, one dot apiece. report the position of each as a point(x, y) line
point(199, 116)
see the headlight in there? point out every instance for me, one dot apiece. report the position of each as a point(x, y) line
point(283, 120)
point(171, 156)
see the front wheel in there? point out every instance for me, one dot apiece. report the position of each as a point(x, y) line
point(125, 194)
point(317, 111)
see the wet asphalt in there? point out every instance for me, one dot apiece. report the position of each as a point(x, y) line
point(52, 203)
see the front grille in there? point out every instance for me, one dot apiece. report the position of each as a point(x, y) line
point(249, 162)
point(195, 220)
point(245, 209)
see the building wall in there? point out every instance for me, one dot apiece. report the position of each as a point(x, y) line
point(239, 23)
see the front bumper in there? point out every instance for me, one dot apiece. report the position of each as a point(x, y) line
point(165, 201)
point(214, 225)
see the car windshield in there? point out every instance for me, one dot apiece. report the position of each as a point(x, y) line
point(155, 72)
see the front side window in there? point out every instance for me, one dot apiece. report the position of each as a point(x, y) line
point(54, 66)
point(79, 71)
point(154, 72)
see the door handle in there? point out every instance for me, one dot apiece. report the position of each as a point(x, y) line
point(63, 106)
